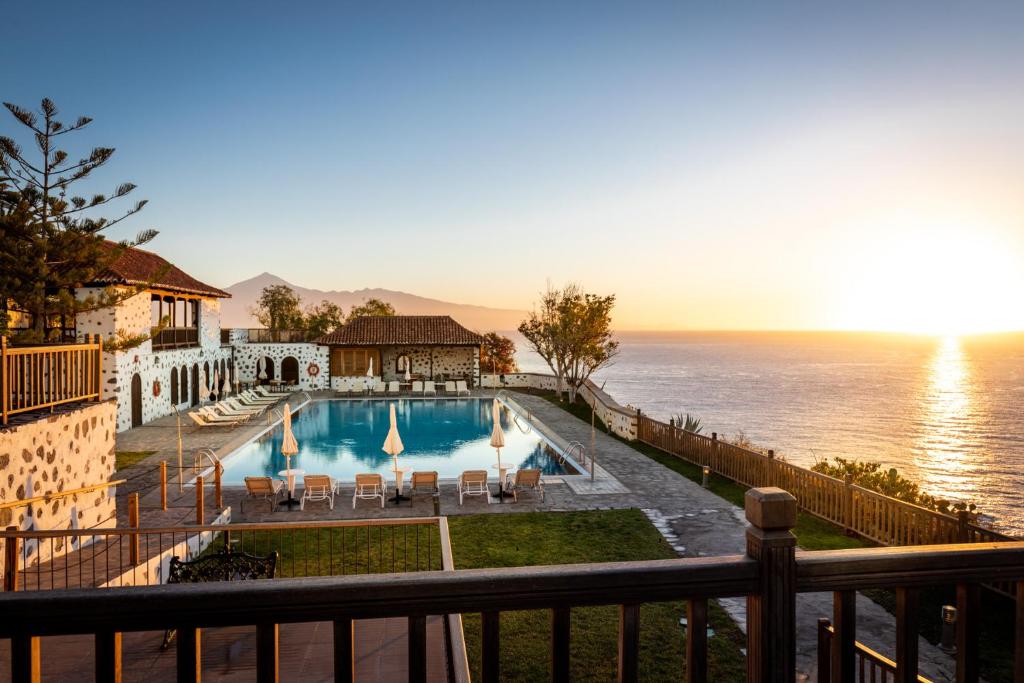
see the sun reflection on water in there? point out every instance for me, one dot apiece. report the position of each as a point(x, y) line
point(941, 447)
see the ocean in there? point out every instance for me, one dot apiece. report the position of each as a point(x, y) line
point(946, 412)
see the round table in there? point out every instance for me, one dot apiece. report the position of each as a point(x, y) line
point(400, 473)
point(502, 468)
point(290, 475)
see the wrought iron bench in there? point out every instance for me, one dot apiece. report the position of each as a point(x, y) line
point(223, 565)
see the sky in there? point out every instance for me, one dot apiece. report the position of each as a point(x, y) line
point(715, 166)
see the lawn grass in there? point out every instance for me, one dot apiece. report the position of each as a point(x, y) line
point(124, 459)
point(545, 538)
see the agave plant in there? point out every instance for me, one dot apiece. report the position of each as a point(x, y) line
point(688, 423)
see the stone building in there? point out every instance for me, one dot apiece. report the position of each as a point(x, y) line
point(431, 347)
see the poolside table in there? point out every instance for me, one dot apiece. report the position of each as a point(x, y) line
point(399, 477)
point(290, 475)
point(502, 468)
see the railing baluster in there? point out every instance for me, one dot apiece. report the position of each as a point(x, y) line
point(968, 608)
point(417, 649)
point(344, 651)
point(266, 653)
point(907, 602)
point(1018, 666)
point(189, 654)
point(25, 659)
point(844, 646)
point(629, 642)
point(490, 625)
point(825, 651)
point(108, 656)
point(560, 638)
point(697, 640)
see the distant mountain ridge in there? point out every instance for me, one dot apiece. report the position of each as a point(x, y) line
point(244, 294)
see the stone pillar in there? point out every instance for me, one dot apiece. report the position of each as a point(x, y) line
point(771, 613)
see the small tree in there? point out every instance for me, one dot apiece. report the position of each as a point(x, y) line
point(498, 354)
point(372, 307)
point(571, 331)
point(278, 308)
point(323, 318)
point(50, 244)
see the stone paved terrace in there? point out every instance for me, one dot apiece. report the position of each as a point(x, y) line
point(694, 520)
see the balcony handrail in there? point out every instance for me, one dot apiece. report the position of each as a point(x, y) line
point(49, 375)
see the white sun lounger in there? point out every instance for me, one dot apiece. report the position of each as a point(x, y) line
point(378, 387)
point(368, 487)
point(449, 387)
point(428, 389)
point(461, 388)
point(393, 387)
point(473, 483)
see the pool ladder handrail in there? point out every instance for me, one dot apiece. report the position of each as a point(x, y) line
point(578, 447)
point(209, 454)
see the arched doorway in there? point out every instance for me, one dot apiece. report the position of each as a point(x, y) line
point(268, 370)
point(290, 370)
point(174, 386)
point(195, 384)
point(136, 400)
point(184, 384)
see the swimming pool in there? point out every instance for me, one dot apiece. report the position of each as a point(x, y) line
point(344, 437)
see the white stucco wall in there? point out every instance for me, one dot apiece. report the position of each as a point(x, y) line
point(246, 356)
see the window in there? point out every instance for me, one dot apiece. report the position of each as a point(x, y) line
point(354, 362)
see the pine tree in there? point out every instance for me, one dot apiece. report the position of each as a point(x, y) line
point(51, 242)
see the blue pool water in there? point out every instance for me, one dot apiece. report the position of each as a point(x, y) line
point(342, 438)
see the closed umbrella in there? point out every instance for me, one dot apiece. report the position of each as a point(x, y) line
point(369, 375)
point(393, 446)
point(498, 442)
point(204, 388)
point(216, 381)
point(226, 389)
point(289, 447)
point(261, 372)
point(408, 375)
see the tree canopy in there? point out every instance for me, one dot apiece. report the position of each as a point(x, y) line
point(278, 308)
point(372, 307)
point(51, 240)
point(323, 318)
point(498, 354)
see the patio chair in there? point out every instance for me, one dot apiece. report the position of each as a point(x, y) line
point(378, 386)
point(429, 389)
point(473, 483)
point(417, 387)
point(522, 480)
point(213, 416)
point(256, 397)
point(461, 388)
point(230, 406)
point(263, 487)
point(248, 399)
point(317, 487)
point(368, 487)
point(424, 482)
point(449, 387)
point(203, 421)
point(394, 387)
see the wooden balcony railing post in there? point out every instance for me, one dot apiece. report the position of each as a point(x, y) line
point(560, 638)
point(200, 513)
point(99, 368)
point(629, 643)
point(968, 608)
point(848, 518)
point(5, 379)
point(11, 561)
point(189, 654)
point(844, 636)
point(163, 485)
point(267, 666)
point(1018, 668)
point(218, 494)
point(133, 522)
point(771, 612)
point(108, 656)
point(25, 659)
point(907, 603)
point(963, 530)
point(344, 651)
point(696, 640)
point(417, 649)
point(490, 664)
point(824, 651)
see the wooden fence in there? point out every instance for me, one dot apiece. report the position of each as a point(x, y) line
point(874, 516)
point(35, 377)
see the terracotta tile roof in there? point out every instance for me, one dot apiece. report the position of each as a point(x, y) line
point(138, 267)
point(384, 330)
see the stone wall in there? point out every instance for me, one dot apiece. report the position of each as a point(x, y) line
point(60, 452)
point(431, 361)
point(246, 356)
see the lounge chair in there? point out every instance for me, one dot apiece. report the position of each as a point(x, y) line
point(461, 388)
point(368, 487)
point(250, 400)
point(522, 480)
point(213, 416)
point(317, 487)
point(393, 387)
point(230, 405)
point(263, 487)
point(449, 387)
point(424, 482)
point(473, 483)
point(202, 420)
point(254, 395)
point(264, 391)
point(429, 389)
point(417, 387)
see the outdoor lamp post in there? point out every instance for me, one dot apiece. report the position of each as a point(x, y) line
point(707, 476)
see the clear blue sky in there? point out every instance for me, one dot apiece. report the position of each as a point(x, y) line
point(706, 163)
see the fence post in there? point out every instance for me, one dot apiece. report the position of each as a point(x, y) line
point(824, 651)
point(99, 367)
point(772, 480)
point(5, 400)
point(218, 496)
point(962, 532)
point(11, 561)
point(848, 503)
point(163, 484)
point(200, 519)
point(771, 612)
point(133, 522)
point(714, 453)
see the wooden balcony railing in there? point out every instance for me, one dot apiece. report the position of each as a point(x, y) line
point(36, 377)
point(769, 576)
point(175, 338)
point(258, 335)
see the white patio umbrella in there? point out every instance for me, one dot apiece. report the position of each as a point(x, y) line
point(216, 382)
point(369, 375)
point(393, 446)
point(204, 388)
point(289, 447)
point(408, 375)
point(226, 389)
point(497, 436)
point(261, 372)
